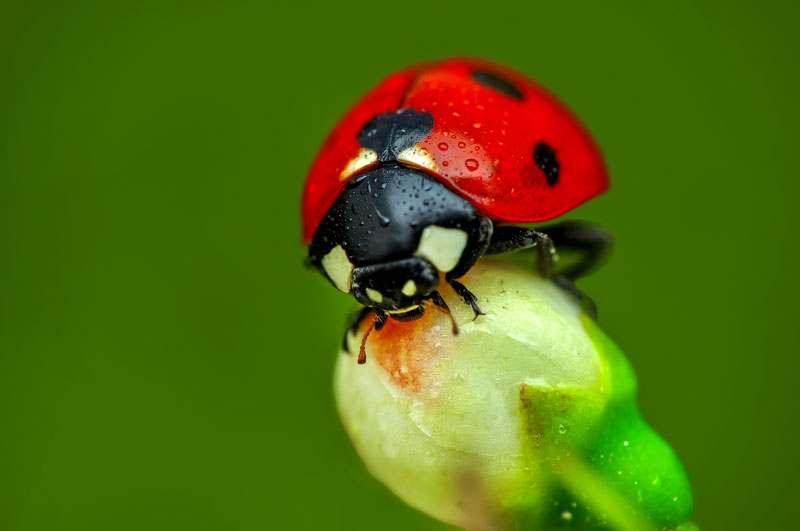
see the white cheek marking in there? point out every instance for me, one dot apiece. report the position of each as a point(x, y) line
point(366, 157)
point(409, 288)
point(374, 296)
point(442, 246)
point(418, 157)
point(338, 268)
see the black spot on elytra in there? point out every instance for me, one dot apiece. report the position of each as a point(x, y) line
point(545, 158)
point(390, 133)
point(498, 83)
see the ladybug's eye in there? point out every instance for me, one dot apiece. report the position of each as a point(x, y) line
point(545, 158)
point(500, 84)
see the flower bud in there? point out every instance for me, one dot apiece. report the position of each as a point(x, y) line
point(526, 417)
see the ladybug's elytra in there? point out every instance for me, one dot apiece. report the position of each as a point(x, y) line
point(429, 171)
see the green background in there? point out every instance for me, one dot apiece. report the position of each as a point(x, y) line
point(165, 361)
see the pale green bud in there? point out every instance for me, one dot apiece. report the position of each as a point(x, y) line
point(527, 415)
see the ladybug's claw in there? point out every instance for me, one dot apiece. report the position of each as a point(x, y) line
point(468, 297)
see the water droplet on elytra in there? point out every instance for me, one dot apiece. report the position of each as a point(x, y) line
point(462, 145)
point(443, 146)
point(471, 164)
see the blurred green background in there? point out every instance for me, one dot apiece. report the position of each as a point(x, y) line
point(165, 361)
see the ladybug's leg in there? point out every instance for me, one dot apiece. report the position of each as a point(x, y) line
point(480, 239)
point(590, 241)
point(467, 295)
point(508, 238)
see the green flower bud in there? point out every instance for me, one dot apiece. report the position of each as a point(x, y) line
point(525, 419)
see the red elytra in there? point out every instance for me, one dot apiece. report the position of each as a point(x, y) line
point(482, 143)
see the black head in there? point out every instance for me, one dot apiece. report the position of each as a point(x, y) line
point(392, 233)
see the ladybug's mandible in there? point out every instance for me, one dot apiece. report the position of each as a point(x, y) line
point(429, 171)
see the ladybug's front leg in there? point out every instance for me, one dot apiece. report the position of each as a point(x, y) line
point(466, 295)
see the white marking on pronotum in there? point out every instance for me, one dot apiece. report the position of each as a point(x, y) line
point(366, 157)
point(409, 288)
point(442, 246)
point(374, 295)
point(418, 157)
point(338, 268)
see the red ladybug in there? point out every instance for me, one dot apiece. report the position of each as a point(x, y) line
point(428, 172)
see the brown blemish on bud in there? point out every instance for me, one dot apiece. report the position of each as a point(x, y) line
point(405, 349)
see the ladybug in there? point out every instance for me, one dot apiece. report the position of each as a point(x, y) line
point(434, 168)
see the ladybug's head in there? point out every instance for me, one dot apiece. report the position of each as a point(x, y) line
point(398, 287)
point(390, 236)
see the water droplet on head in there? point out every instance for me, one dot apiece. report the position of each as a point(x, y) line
point(471, 164)
point(382, 220)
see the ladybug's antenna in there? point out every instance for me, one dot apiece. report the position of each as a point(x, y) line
point(439, 301)
point(362, 352)
point(377, 324)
